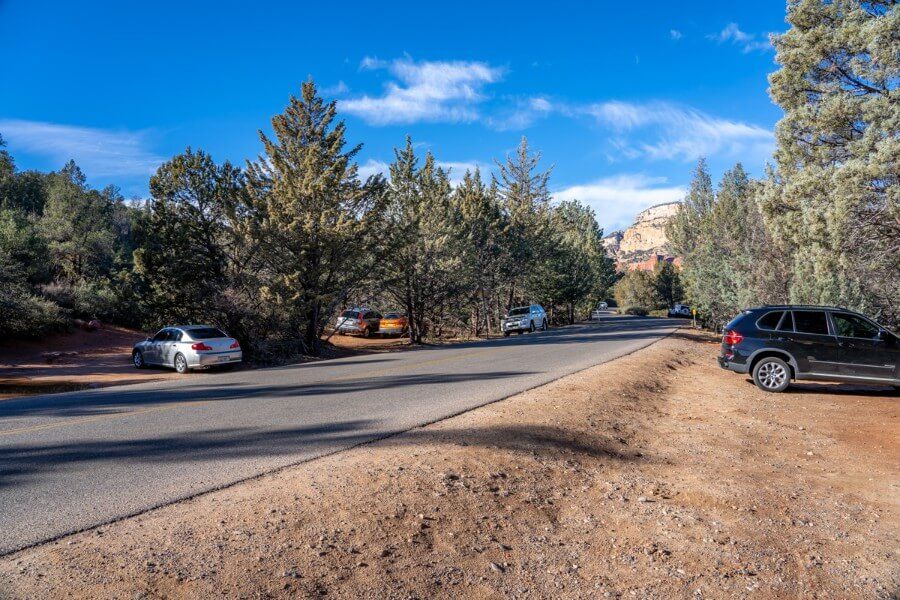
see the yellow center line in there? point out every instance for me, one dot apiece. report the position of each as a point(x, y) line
point(175, 405)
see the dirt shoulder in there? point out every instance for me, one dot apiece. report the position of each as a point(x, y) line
point(654, 476)
point(82, 359)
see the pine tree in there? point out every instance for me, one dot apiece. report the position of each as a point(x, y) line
point(314, 217)
point(525, 196)
point(193, 256)
point(835, 198)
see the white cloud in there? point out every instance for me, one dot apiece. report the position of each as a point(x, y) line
point(338, 89)
point(99, 152)
point(424, 91)
point(458, 169)
point(675, 132)
point(372, 167)
point(748, 42)
point(616, 200)
point(522, 115)
point(675, 34)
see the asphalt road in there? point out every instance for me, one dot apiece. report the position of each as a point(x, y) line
point(77, 460)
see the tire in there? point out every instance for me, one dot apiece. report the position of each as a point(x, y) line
point(544, 325)
point(771, 374)
point(505, 334)
point(137, 359)
point(180, 363)
point(531, 327)
point(366, 333)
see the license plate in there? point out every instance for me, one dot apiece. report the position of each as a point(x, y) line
point(224, 358)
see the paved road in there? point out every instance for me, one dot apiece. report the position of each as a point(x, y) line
point(76, 460)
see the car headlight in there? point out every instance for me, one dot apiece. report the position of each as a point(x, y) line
point(524, 321)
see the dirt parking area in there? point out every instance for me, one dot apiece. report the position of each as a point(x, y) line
point(79, 360)
point(66, 362)
point(654, 476)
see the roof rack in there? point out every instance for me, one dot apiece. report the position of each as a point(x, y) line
point(805, 306)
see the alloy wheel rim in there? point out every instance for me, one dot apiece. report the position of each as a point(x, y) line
point(772, 375)
point(137, 359)
point(179, 364)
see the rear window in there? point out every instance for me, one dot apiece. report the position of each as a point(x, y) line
point(206, 333)
point(770, 320)
point(393, 316)
point(522, 310)
point(735, 321)
point(348, 314)
point(811, 321)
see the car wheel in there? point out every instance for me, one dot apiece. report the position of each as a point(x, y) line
point(531, 327)
point(544, 325)
point(138, 359)
point(181, 365)
point(772, 374)
point(505, 334)
point(366, 332)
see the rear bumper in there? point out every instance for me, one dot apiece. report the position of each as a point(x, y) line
point(215, 358)
point(391, 330)
point(733, 366)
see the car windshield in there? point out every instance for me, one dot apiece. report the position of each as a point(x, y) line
point(522, 310)
point(205, 333)
point(393, 316)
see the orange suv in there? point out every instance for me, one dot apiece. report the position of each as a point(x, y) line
point(393, 323)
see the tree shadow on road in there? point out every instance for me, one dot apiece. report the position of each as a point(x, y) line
point(24, 463)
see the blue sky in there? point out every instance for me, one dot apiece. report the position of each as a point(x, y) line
point(621, 97)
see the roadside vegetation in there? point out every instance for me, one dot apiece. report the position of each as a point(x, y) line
point(823, 226)
point(270, 252)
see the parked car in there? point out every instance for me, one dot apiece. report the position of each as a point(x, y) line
point(524, 318)
point(776, 344)
point(680, 310)
point(597, 313)
point(362, 321)
point(186, 347)
point(393, 323)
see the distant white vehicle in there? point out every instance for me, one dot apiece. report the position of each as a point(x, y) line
point(680, 310)
point(598, 312)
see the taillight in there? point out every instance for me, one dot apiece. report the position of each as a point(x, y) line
point(200, 346)
point(732, 338)
point(235, 345)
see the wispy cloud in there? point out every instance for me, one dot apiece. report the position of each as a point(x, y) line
point(338, 89)
point(99, 152)
point(424, 91)
point(747, 42)
point(675, 34)
point(372, 167)
point(522, 114)
point(617, 199)
point(457, 169)
point(674, 132)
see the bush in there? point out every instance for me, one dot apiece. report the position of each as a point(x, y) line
point(638, 311)
point(27, 315)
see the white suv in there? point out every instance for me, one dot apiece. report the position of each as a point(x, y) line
point(524, 318)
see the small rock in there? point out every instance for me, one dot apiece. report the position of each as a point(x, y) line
point(496, 568)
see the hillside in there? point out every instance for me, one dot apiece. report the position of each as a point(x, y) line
point(639, 245)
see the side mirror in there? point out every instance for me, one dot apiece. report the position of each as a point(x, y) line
point(148, 339)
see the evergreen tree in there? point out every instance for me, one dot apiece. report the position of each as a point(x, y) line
point(525, 196)
point(193, 257)
point(835, 198)
point(424, 258)
point(314, 217)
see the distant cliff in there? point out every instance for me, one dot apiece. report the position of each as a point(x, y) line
point(639, 245)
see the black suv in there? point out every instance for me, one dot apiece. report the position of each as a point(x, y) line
point(778, 343)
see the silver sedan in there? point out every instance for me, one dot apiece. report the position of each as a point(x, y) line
point(187, 347)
